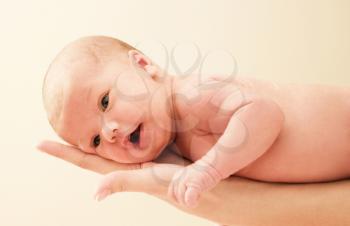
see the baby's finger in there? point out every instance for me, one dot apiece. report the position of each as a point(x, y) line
point(171, 193)
point(176, 188)
point(176, 182)
point(191, 196)
point(181, 189)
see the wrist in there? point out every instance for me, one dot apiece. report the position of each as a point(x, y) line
point(208, 168)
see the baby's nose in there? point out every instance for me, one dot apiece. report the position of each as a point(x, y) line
point(109, 131)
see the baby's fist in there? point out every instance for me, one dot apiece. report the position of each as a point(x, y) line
point(189, 182)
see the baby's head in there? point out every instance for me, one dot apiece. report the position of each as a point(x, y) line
point(105, 97)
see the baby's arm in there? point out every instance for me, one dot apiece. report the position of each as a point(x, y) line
point(251, 130)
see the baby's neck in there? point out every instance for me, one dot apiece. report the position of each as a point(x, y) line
point(178, 89)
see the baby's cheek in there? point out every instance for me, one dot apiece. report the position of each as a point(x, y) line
point(117, 154)
point(89, 151)
point(138, 156)
point(105, 151)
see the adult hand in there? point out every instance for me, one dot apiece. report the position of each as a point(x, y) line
point(236, 201)
point(151, 177)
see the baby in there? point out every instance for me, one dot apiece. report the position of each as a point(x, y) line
point(107, 98)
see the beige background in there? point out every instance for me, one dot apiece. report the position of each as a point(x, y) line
point(296, 40)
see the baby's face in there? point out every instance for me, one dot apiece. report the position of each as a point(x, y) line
point(116, 111)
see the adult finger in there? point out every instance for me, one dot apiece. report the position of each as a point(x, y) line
point(83, 160)
point(152, 180)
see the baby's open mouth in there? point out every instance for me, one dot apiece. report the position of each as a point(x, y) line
point(134, 137)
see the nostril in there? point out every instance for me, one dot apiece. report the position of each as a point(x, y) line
point(114, 130)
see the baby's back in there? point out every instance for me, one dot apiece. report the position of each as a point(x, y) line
point(313, 145)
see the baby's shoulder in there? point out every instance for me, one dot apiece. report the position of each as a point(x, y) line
point(224, 93)
point(211, 91)
point(206, 98)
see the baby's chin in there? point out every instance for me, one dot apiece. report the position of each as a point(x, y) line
point(140, 156)
point(135, 155)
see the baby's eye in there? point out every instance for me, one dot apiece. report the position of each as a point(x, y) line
point(96, 141)
point(105, 101)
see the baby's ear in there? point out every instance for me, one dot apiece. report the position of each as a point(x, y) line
point(141, 61)
point(138, 59)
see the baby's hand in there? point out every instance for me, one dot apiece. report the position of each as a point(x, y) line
point(188, 183)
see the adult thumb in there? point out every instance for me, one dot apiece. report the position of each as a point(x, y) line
point(152, 180)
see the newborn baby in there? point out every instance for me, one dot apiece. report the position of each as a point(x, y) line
point(107, 98)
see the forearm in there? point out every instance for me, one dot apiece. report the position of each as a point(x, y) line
point(249, 134)
point(238, 201)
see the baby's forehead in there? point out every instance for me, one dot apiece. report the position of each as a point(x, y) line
point(79, 72)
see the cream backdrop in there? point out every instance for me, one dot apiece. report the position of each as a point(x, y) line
point(281, 40)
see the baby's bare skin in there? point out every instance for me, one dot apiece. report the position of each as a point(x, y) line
point(313, 145)
point(117, 104)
